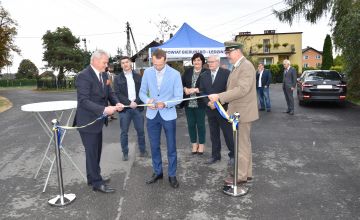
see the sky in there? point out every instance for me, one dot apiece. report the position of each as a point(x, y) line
point(103, 22)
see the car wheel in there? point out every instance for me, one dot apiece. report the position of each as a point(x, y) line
point(301, 102)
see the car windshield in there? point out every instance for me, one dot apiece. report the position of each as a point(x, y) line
point(323, 76)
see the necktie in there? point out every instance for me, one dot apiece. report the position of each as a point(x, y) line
point(233, 68)
point(212, 78)
point(101, 81)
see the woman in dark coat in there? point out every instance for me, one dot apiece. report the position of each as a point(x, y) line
point(195, 109)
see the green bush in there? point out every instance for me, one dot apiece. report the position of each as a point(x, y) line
point(339, 69)
point(277, 71)
point(45, 84)
point(309, 68)
point(177, 65)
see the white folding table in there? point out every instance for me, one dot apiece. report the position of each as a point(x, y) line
point(58, 108)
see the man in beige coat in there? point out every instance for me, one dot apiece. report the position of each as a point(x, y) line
point(241, 96)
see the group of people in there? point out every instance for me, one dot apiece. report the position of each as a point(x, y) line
point(263, 80)
point(161, 89)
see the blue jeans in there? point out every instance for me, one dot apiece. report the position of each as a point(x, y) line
point(154, 131)
point(125, 119)
point(264, 97)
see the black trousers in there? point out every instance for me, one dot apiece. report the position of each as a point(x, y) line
point(216, 122)
point(289, 97)
point(93, 145)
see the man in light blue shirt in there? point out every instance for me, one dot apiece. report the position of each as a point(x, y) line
point(161, 84)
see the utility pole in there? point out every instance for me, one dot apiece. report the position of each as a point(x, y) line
point(128, 47)
point(128, 32)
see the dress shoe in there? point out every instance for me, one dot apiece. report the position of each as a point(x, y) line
point(144, 154)
point(154, 178)
point(104, 189)
point(125, 157)
point(173, 182)
point(291, 113)
point(212, 161)
point(195, 147)
point(261, 109)
point(287, 111)
point(269, 110)
point(230, 181)
point(105, 180)
point(201, 149)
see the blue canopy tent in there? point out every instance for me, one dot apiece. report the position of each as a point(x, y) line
point(188, 41)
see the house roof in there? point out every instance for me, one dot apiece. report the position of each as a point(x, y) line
point(145, 49)
point(310, 48)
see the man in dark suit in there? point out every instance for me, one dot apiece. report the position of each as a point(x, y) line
point(93, 94)
point(263, 79)
point(127, 85)
point(289, 83)
point(214, 81)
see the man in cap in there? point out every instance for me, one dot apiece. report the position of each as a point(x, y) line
point(241, 96)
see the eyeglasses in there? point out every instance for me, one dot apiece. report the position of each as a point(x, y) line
point(211, 61)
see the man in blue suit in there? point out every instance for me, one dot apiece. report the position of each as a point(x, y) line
point(93, 94)
point(160, 84)
point(263, 79)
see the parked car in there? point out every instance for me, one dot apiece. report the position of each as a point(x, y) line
point(321, 85)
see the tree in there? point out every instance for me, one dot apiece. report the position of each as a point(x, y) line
point(114, 60)
point(344, 20)
point(27, 70)
point(327, 57)
point(62, 51)
point(7, 34)
point(339, 60)
point(164, 27)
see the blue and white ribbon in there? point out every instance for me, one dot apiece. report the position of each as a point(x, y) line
point(231, 119)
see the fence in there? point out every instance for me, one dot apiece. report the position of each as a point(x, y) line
point(17, 82)
point(39, 83)
point(55, 84)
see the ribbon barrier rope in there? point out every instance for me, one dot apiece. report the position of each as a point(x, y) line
point(64, 199)
point(128, 106)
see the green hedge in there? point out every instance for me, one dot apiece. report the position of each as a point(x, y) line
point(39, 83)
point(53, 84)
point(277, 71)
point(17, 82)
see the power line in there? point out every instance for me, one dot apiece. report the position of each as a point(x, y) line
point(251, 22)
point(244, 16)
point(97, 8)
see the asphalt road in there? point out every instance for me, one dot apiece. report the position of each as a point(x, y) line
point(306, 166)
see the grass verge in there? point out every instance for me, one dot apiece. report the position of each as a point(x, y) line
point(5, 104)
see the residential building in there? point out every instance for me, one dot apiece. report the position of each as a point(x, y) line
point(311, 57)
point(272, 48)
point(141, 59)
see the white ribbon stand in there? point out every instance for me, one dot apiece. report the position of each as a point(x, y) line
point(58, 107)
